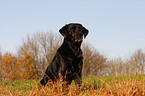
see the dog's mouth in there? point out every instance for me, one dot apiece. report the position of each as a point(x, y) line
point(79, 39)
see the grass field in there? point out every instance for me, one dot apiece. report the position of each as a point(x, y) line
point(124, 85)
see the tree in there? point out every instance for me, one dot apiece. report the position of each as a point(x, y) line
point(134, 65)
point(94, 62)
point(0, 54)
point(28, 68)
point(137, 62)
point(116, 67)
point(0, 65)
point(42, 48)
point(10, 67)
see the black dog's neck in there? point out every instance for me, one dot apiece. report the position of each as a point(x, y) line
point(73, 45)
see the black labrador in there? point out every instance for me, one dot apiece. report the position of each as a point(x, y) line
point(68, 60)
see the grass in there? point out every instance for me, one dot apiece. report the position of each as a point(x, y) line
point(124, 85)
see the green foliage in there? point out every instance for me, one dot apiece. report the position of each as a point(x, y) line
point(19, 85)
point(123, 85)
point(88, 82)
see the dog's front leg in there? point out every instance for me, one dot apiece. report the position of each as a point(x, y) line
point(78, 82)
point(78, 72)
point(44, 80)
point(78, 79)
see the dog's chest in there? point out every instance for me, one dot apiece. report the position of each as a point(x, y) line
point(70, 59)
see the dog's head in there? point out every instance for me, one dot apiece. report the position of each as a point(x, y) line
point(74, 32)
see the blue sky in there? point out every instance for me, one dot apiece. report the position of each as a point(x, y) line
point(116, 27)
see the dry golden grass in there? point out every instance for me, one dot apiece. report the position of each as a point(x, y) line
point(92, 86)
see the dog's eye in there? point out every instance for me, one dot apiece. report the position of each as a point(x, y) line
point(73, 28)
point(79, 28)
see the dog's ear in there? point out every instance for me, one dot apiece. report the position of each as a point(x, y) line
point(63, 31)
point(85, 32)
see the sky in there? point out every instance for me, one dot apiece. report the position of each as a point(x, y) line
point(116, 27)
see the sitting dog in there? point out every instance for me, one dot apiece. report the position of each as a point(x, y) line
point(68, 60)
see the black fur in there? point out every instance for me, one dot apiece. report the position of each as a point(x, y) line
point(68, 60)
